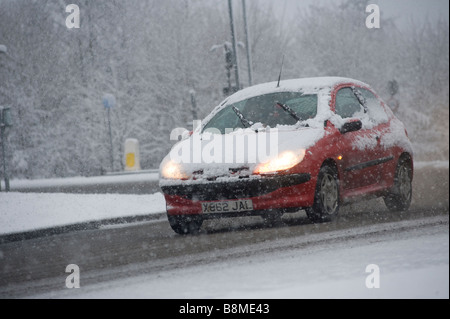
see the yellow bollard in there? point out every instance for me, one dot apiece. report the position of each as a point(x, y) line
point(132, 160)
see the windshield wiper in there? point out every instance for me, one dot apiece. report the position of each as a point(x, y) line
point(241, 116)
point(361, 99)
point(291, 112)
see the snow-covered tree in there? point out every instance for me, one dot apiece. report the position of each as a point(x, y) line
point(152, 54)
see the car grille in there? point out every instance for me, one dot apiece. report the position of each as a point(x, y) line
point(235, 189)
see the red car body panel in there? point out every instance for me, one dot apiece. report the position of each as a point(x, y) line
point(361, 172)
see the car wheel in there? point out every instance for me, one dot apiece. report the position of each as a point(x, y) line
point(272, 219)
point(326, 198)
point(399, 199)
point(184, 225)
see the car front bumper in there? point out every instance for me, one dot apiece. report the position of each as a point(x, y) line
point(270, 192)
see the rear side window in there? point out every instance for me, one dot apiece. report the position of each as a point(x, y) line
point(347, 105)
point(368, 96)
point(375, 109)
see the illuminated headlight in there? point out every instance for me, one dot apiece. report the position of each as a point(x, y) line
point(172, 170)
point(284, 161)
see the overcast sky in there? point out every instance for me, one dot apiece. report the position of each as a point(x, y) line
point(401, 10)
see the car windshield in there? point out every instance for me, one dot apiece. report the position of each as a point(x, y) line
point(265, 109)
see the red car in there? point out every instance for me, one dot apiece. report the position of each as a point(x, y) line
point(275, 148)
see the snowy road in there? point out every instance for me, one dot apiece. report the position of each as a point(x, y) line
point(233, 258)
point(239, 260)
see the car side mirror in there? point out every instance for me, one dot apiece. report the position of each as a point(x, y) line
point(351, 126)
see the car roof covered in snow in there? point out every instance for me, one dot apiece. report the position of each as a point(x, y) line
point(306, 85)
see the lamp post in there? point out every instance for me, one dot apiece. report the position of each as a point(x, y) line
point(247, 45)
point(231, 54)
point(229, 65)
point(234, 43)
point(108, 102)
point(5, 121)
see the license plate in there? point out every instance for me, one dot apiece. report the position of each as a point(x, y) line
point(228, 206)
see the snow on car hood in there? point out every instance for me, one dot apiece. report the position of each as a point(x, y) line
point(240, 151)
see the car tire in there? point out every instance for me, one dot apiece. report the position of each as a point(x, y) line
point(185, 225)
point(326, 197)
point(399, 198)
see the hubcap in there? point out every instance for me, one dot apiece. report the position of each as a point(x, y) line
point(329, 194)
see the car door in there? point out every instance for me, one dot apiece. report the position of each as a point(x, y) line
point(357, 148)
point(378, 121)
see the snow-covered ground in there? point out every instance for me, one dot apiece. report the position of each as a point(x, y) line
point(20, 212)
point(412, 263)
point(139, 176)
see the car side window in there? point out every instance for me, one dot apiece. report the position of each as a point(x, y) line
point(368, 96)
point(347, 105)
point(376, 111)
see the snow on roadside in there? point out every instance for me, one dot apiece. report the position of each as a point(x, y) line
point(77, 181)
point(27, 212)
